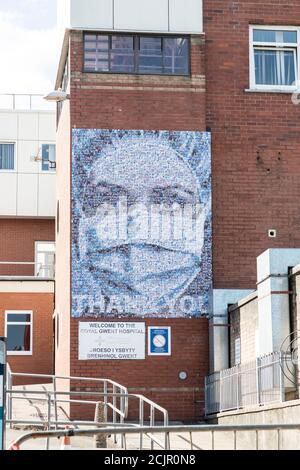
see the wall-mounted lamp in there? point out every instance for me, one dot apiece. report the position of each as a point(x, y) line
point(57, 96)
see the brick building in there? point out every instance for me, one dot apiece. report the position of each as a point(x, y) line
point(27, 231)
point(176, 72)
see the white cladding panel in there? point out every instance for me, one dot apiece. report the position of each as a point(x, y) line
point(27, 191)
point(186, 15)
point(8, 126)
point(27, 195)
point(92, 13)
point(26, 150)
point(161, 16)
point(47, 127)
point(144, 15)
point(8, 194)
point(47, 195)
point(28, 128)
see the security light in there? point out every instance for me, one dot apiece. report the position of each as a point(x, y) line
point(57, 95)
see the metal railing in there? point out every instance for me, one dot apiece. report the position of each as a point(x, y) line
point(25, 102)
point(115, 399)
point(252, 437)
point(39, 270)
point(255, 383)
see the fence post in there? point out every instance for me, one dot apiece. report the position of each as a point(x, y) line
point(100, 439)
point(258, 379)
point(281, 377)
point(237, 388)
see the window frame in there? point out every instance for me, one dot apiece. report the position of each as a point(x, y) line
point(273, 46)
point(36, 252)
point(50, 170)
point(14, 143)
point(8, 323)
point(136, 41)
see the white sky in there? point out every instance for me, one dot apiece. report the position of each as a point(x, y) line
point(28, 46)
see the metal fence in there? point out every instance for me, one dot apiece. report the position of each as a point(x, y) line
point(255, 383)
point(200, 437)
point(114, 397)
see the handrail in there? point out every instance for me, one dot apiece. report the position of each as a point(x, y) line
point(167, 430)
point(119, 395)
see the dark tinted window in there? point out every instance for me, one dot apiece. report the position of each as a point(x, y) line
point(137, 54)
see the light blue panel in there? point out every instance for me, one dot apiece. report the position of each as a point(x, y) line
point(141, 224)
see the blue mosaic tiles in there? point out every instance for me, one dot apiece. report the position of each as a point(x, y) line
point(141, 224)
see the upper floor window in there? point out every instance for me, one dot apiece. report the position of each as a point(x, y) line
point(137, 54)
point(48, 157)
point(274, 57)
point(7, 156)
point(18, 329)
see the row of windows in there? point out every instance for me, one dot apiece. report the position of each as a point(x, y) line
point(273, 60)
point(136, 54)
point(8, 159)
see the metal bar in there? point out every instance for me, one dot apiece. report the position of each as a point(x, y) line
point(256, 439)
point(134, 430)
point(55, 400)
point(49, 421)
point(234, 439)
point(278, 439)
point(212, 440)
point(105, 400)
point(141, 420)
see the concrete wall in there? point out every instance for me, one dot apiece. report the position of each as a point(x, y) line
point(244, 325)
point(285, 413)
point(27, 191)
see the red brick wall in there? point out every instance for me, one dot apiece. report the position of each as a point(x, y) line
point(255, 147)
point(157, 377)
point(107, 101)
point(18, 237)
point(141, 102)
point(41, 304)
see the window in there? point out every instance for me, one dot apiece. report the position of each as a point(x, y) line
point(137, 54)
point(48, 157)
point(274, 57)
point(45, 259)
point(237, 351)
point(18, 329)
point(7, 156)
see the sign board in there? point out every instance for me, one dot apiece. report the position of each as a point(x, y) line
point(111, 341)
point(159, 341)
point(2, 390)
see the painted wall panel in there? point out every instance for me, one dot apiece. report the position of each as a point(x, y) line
point(141, 223)
point(26, 150)
point(186, 16)
point(28, 126)
point(92, 14)
point(131, 15)
point(8, 194)
point(141, 15)
point(47, 195)
point(27, 195)
point(8, 126)
point(47, 127)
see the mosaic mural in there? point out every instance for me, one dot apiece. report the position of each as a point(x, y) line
point(141, 224)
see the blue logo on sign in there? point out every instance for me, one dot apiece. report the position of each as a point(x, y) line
point(159, 339)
